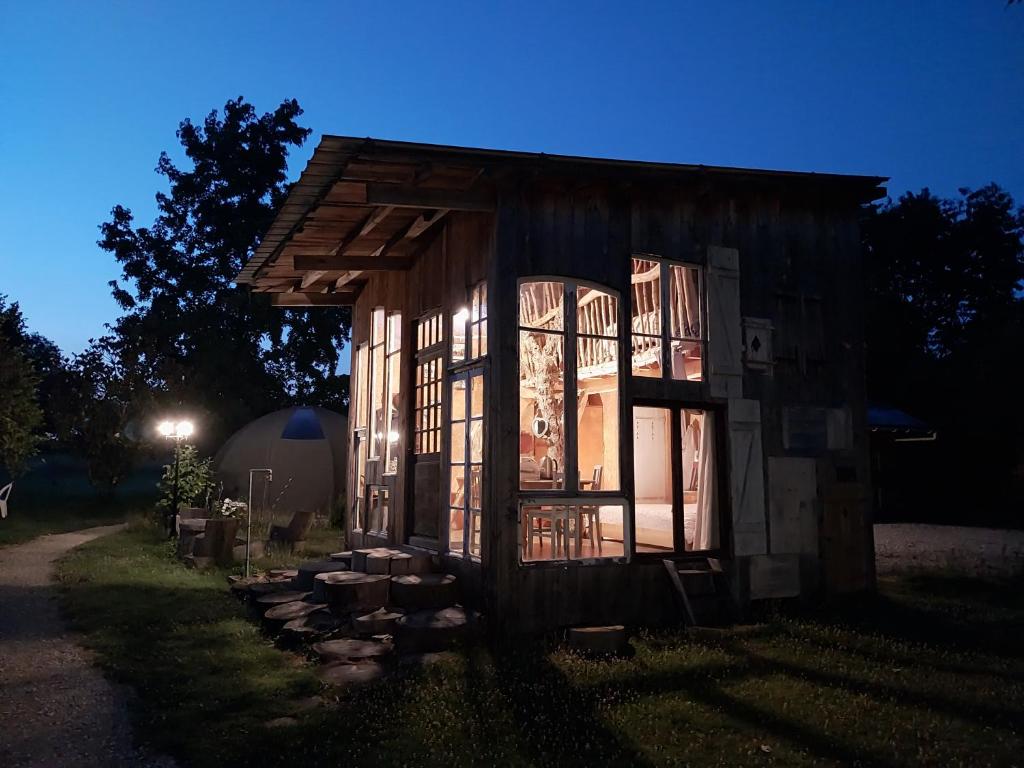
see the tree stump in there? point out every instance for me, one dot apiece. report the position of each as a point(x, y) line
point(217, 541)
point(310, 627)
point(381, 622)
point(417, 592)
point(296, 609)
point(382, 561)
point(342, 673)
point(240, 587)
point(187, 532)
point(264, 603)
point(430, 630)
point(350, 649)
point(600, 641)
point(342, 557)
point(348, 592)
point(310, 570)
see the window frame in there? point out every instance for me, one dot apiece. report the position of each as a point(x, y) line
point(466, 375)
point(665, 320)
point(434, 352)
point(571, 494)
point(478, 289)
point(359, 430)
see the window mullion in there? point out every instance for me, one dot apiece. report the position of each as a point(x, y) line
point(570, 426)
point(665, 319)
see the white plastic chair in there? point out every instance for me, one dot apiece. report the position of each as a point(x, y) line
point(5, 493)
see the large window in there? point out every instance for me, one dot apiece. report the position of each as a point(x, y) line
point(569, 392)
point(358, 412)
point(666, 316)
point(469, 327)
point(377, 376)
point(393, 443)
point(466, 462)
point(674, 479)
point(427, 407)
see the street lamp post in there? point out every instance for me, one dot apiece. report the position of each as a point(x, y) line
point(176, 431)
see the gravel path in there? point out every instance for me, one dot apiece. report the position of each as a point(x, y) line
point(988, 552)
point(56, 709)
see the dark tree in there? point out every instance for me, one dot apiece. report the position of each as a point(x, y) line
point(197, 340)
point(20, 414)
point(945, 334)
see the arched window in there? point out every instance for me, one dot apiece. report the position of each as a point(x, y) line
point(569, 432)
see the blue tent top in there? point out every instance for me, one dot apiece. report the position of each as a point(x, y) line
point(895, 421)
point(303, 425)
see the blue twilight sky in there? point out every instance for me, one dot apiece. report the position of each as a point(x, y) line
point(929, 93)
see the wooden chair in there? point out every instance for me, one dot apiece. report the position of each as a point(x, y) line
point(5, 494)
point(591, 513)
point(295, 532)
point(550, 522)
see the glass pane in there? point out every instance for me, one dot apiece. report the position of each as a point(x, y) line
point(652, 479)
point(360, 404)
point(377, 327)
point(474, 533)
point(476, 440)
point(456, 526)
point(597, 420)
point(686, 360)
point(459, 320)
point(596, 531)
point(476, 473)
point(646, 352)
point(477, 399)
point(700, 507)
point(542, 532)
point(458, 442)
point(684, 295)
point(597, 313)
point(540, 305)
point(394, 332)
point(457, 486)
point(393, 438)
point(541, 410)
point(458, 399)
point(377, 376)
point(646, 299)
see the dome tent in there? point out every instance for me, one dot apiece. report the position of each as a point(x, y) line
point(305, 448)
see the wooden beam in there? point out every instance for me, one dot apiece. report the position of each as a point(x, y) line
point(311, 277)
point(305, 262)
point(425, 221)
point(375, 218)
point(341, 299)
point(414, 197)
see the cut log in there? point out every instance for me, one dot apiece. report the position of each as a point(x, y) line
point(343, 673)
point(311, 627)
point(350, 649)
point(260, 588)
point(294, 610)
point(264, 603)
point(309, 571)
point(217, 541)
point(380, 622)
point(430, 630)
point(240, 587)
point(417, 592)
point(282, 574)
point(385, 560)
point(353, 591)
point(342, 557)
point(601, 641)
point(359, 559)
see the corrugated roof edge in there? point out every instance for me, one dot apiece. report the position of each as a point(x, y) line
point(313, 182)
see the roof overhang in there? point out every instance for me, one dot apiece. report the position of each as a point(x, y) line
point(364, 205)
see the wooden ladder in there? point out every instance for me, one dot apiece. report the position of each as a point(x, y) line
point(702, 591)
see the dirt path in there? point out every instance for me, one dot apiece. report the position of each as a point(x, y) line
point(56, 709)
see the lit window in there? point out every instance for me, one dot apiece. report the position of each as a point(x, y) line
point(427, 403)
point(392, 438)
point(466, 462)
point(667, 328)
point(358, 413)
point(469, 327)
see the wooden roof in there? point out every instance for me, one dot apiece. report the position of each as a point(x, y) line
point(366, 204)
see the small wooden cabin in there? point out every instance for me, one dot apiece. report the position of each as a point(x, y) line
point(567, 370)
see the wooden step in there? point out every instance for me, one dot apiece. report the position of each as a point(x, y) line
point(313, 626)
point(352, 591)
point(702, 590)
point(308, 572)
point(417, 592)
point(350, 649)
point(430, 630)
point(381, 622)
point(599, 641)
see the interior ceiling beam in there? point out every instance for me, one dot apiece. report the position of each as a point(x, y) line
point(425, 221)
point(311, 277)
point(340, 299)
point(374, 219)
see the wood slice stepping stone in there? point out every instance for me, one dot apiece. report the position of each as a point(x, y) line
point(264, 603)
point(259, 588)
point(355, 591)
point(384, 560)
point(293, 610)
point(342, 557)
point(601, 641)
point(282, 574)
point(312, 626)
point(350, 649)
point(342, 673)
point(418, 562)
point(241, 586)
point(417, 592)
point(430, 630)
point(309, 571)
point(323, 579)
point(359, 558)
point(380, 622)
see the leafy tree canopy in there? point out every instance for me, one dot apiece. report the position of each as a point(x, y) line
point(20, 414)
point(196, 339)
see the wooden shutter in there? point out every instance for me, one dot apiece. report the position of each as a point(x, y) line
point(746, 477)
point(725, 350)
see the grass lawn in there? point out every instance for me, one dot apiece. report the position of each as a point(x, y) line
point(55, 496)
point(929, 672)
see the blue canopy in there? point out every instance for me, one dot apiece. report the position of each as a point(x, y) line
point(303, 425)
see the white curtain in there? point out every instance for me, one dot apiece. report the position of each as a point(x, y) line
point(705, 532)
